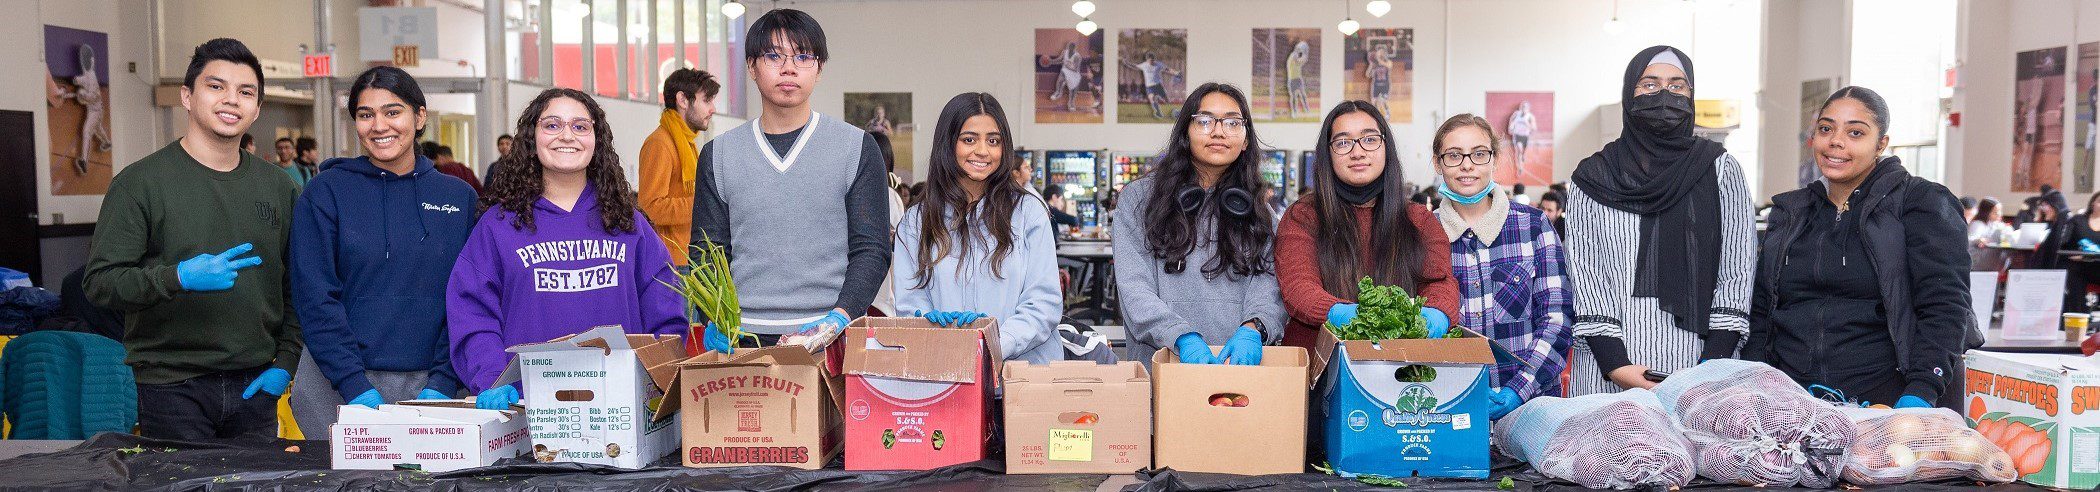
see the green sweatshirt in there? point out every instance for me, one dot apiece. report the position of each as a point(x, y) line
point(167, 208)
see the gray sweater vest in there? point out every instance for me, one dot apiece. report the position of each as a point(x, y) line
point(788, 228)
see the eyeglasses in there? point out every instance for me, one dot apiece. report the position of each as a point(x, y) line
point(1478, 158)
point(1367, 142)
point(1650, 87)
point(802, 60)
point(1211, 125)
point(581, 127)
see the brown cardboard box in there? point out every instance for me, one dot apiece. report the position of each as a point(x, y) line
point(765, 406)
point(1078, 417)
point(1265, 436)
point(918, 396)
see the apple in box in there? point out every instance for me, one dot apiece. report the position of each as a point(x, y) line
point(918, 396)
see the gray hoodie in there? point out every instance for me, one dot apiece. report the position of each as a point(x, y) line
point(1159, 307)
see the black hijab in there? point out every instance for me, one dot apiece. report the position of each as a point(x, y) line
point(1666, 176)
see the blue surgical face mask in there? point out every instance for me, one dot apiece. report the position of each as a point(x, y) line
point(1445, 190)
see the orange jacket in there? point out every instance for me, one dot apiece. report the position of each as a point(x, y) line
point(666, 196)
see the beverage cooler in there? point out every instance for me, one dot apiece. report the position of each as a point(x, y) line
point(1078, 172)
point(1274, 167)
point(1124, 167)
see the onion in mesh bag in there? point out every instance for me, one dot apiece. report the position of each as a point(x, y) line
point(1750, 424)
point(1921, 444)
point(1607, 440)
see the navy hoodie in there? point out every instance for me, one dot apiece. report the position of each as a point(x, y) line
point(371, 252)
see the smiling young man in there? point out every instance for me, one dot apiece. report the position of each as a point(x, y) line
point(803, 191)
point(191, 248)
point(669, 157)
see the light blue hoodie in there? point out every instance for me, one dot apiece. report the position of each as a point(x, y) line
point(1025, 296)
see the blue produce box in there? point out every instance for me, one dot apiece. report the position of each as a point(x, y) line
point(1373, 423)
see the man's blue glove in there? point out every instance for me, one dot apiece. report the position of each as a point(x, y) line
point(1436, 321)
point(1244, 348)
point(715, 341)
point(369, 398)
point(1341, 314)
point(1908, 401)
point(1501, 401)
point(431, 394)
point(497, 398)
point(1193, 350)
point(205, 273)
point(271, 381)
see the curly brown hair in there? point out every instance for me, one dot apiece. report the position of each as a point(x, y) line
point(520, 182)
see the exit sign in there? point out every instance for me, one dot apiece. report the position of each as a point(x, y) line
point(407, 55)
point(321, 65)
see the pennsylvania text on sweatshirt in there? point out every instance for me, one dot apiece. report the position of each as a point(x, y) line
point(513, 286)
point(375, 250)
point(1024, 296)
point(167, 208)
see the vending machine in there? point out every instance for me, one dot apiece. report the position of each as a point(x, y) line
point(1078, 172)
point(1274, 167)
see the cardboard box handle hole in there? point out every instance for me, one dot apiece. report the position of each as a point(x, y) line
point(573, 395)
point(1078, 418)
point(1234, 400)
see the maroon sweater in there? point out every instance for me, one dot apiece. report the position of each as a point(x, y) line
point(1298, 268)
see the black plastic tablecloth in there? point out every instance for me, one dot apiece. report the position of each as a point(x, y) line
point(127, 462)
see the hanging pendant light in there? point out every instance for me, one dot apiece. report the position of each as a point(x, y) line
point(732, 9)
point(1378, 8)
point(1349, 24)
point(1613, 26)
point(1087, 27)
point(1083, 8)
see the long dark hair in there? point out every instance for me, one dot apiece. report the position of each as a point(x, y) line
point(520, 184)
point(390, 79)
point(1243, 241)
point(1396, 252)
point(947, 208)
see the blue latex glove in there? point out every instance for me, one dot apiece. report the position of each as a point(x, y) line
point(1436, 321)
point(497, 398)
point(1244, 348)
point(832, 318)
point(714, 340)
point(1341, 314)
point(272, 381)
point(1193, 350)
point(369, 398)
point(1908, 401)
point(1501, 401)
point(431, 394)
point(950, 319)
point(205, 273)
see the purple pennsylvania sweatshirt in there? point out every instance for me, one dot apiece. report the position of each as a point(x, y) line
point(513, 286)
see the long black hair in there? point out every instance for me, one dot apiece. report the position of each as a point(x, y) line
point(520, 184)
point(946, 207)
point(1242, 240)
point(1396, 250)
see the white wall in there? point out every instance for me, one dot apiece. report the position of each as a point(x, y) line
point(130, 94)
point(1473, 47)
point(1804, 40)
point(1992, 32)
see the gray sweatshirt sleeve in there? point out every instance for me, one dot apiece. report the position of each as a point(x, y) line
point(1147, 317)
point(867, 231)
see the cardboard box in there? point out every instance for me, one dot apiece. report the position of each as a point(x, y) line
point(1264, 434)
point(766, 406)
point(591, 396)
point(434, 436)
point(917, 395)
point(2053, 399)
point(1078, 417)
point(1372, 423)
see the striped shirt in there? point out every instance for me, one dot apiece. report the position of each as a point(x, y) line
point(1601, 255)
point(1511, 287)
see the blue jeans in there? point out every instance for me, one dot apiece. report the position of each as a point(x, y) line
point(207, 407)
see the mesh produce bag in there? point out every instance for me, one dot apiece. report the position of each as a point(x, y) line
point(1607, 440)
point(1751, 425)
point(1920, 444)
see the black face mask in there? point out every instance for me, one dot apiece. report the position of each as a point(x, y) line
point(1661, 113)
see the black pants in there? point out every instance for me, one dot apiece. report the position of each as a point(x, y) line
point(206, 407)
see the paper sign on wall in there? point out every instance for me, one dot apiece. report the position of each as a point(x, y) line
point(2033, 304)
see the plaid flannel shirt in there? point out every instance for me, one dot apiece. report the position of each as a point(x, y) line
point(1515, 291)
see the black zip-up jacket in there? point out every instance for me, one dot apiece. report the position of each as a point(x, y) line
point(1917, 243)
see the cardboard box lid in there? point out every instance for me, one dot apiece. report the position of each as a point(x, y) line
point(1075, 372)
point(831, 388)
point(2066, 363)
point(657, 353)
point(420, 414)
point(916, 349)
point(1325, 344)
